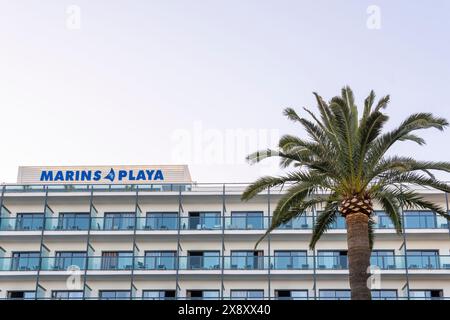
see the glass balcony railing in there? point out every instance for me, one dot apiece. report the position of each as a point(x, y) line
point(158, 223)
point(322, 262)
point(62, 263)
point(113, 223)
point(201, 223)
point(246, 262)
point(298, 223)
point(246, 223)
point(155, 263)
point(67, 223)
point(412, 220)
point(110, 263)
point(26, 223)
point(200, 263)
point(292, 262)
point(19, 263)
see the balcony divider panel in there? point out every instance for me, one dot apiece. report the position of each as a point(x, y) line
point(136, 210)
point(88, 244)
point(222, 259)
point(405, 248)
point(177, 267)
point(42, 243)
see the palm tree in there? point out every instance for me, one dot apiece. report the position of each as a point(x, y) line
point(343, 166)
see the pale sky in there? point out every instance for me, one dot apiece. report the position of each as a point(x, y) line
point(136, 74)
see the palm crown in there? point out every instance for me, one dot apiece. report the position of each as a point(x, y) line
point(344, 167)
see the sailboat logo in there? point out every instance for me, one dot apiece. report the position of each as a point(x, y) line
point(111, 175)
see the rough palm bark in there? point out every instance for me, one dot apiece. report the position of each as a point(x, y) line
point(358, 254)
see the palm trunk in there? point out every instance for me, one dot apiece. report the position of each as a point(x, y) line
point(358, 254)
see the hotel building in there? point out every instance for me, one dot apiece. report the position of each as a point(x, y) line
point(128, 233)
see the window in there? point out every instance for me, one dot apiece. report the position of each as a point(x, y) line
point(67, 295)
point(302, 222)
point(247, 220)
point(383, 220)
point(204, 260)
point(117, 260)
point(65, 259)
point(203, 294)
point(162, 220)
point(423, 259)
point(332, 259)
point(420, 219)
point(291, 294)
point(73, 221)
point(426, 294)
point(247, 259)
point(384, 294)
point(30, 221)
point(160, 260)
point(21, 295)
point(286, 260)
point(158, 294)
point(334, 294)
point(247, 294)
point(339, 223)
point(25, 261)
point(119, 221)
point(114, 294)
point(383, 258)
point(204, 220)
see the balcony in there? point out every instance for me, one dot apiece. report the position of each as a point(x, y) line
point(322, 262)
point(424, 220)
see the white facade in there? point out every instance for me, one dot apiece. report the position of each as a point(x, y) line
point(125, 240)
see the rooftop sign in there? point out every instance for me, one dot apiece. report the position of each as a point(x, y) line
point(104, 174)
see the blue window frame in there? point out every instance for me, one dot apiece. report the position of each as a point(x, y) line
point(21, 295)
point(30, 221)
point(420, 220)
point(247, 294)
point(204, 220)
point(242, 259)
point(25, 261)
point(65, 259)
point(287, 260)
point(162, 220)
point(160, 260)
point(204, 260)
point(384, 259)
point(247, 220)
point(119, 221)
point(332, 259)
point(339, 222)
point(291, 294)
point(426, 294)
point(203, 294)
point(384, 294)
point(73, 221)
point(302, 222)
point(383, 220)
point(158, 294)
point(334, 294)
point(67, 295)
point(423, 259)
point(114, 294)
point(117, 260)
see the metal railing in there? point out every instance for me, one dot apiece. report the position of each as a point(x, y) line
point(234, 262)
point(160, 223)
